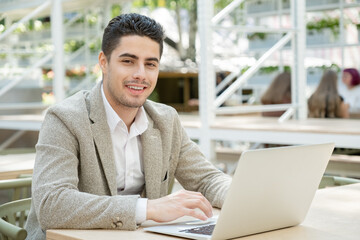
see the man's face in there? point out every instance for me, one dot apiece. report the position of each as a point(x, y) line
point(130, 76)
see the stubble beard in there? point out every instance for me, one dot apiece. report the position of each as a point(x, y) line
point(123, 101)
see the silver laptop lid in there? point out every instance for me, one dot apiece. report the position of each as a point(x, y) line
point(271, 189)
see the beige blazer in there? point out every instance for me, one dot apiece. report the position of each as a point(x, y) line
point(74, 180)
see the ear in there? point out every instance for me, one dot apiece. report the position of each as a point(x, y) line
point(103, 61)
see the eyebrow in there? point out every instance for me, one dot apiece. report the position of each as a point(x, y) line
point(136, 57)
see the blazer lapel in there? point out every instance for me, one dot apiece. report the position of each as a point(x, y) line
point(152, 158)
point(102, 139)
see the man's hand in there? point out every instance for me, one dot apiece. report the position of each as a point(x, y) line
point(178, 204)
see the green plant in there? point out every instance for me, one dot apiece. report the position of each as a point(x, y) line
point(271, 69)
point(95, 46)
point(267, 69)
point(328, 22)
point(73, 45)
point(333, 67)
point(258, 35)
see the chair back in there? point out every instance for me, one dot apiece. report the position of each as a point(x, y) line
point(13, 216)
point(20, 187)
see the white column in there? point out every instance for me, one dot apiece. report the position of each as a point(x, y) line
point(57, 35)
point(298, 74)
point(206, 76)
point(342, 35)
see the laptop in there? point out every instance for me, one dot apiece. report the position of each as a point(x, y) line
point(271, 189)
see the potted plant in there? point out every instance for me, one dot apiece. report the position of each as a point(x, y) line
point(322, 31)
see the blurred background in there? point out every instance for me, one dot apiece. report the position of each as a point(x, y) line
point(49, 51)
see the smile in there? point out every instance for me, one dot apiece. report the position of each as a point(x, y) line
point(136, 88)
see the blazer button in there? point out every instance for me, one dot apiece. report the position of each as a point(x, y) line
point(119, 224)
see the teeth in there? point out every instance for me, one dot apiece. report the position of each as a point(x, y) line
point(136, 88)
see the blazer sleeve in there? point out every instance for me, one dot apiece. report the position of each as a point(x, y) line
point(196, 173)
point(57, 200)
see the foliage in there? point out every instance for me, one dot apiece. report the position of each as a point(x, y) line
point(317, 25)
point(73, 45)
point(271, 69)
point(115, 10)
point(95, 46)
point(328, 22)
point(333, 67)
point(257, 35)
point(170, 4)
point(221, 4)
point(267, 69)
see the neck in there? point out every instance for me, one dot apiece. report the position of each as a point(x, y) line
point(126, 114)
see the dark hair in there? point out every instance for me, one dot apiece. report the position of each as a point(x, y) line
point(130, 24)
point(355, 76)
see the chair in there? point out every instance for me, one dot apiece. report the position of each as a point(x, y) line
point(13, 216)
point(20, 187)
point(331, 181)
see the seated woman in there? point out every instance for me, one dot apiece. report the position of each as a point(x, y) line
point(351, 91)
point(279, 92)
point(326, 102)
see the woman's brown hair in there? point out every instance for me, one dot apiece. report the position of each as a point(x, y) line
point(325, 101)
point(279, 90)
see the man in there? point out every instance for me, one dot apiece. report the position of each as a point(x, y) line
point(105, 157)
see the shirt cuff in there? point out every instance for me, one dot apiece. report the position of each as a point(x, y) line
point(140, 213)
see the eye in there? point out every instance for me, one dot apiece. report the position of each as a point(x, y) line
point(127, 61)
point(151, 64)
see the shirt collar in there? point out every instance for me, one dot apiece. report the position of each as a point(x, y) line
point(140, 124)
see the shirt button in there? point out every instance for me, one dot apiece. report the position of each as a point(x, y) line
point(119, 224)
point(113, 225)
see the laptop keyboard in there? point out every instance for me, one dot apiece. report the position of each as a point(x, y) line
point(205, 230)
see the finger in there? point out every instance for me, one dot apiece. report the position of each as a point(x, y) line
point(196, 214)
point(193, 200)
point(201, 204)
point(205, 205)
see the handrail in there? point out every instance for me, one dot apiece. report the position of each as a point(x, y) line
point(253, 108)
point(252, 70)
point(12, 84)
point(27, 105)
point(216, 19)
point(25, 19)
point(226, 81)
point(248, 29)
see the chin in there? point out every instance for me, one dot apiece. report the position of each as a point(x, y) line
point(135, 104)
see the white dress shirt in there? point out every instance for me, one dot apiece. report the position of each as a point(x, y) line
point(128, 155)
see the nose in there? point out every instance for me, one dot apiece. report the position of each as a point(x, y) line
point(139, 72)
